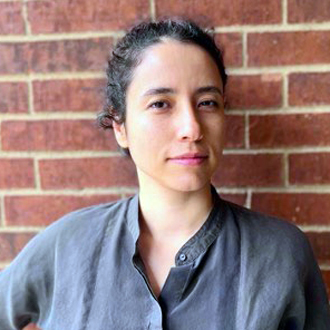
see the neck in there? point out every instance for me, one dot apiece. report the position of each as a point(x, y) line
point(166, 213)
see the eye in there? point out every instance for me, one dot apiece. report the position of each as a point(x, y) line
point(159, 105)
point(208, 104)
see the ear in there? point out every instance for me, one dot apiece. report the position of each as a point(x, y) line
point(120, 134)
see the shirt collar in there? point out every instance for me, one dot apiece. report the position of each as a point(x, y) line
point(132, 217)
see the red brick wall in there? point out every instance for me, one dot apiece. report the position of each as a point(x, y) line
point(53, 160)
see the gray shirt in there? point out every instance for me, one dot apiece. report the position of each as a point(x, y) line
point(240, 271)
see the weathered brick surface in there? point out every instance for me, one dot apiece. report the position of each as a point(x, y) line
point(234, 137)
point(309, 168)
point(13, 97)
point(239, 199)
point(11, 18)
point(87, 172)
point(300, 11)
point(231, 45)
point(55, 135)
point(84, 15)
point(225, 12)
point(288, 48)
point(16, 173)
point(309, 88)
point(302, 208)
point(42, 210)
point(54, 56)
point(13, 58)
point(250, 170)
point(11, 244)
point(68, 95)
point(290, 130)
point(254, 92)
point(320, 242)
point(69, 55)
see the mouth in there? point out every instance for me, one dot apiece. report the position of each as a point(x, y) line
point(189, 159)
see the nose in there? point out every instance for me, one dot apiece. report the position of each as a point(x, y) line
point(188, 123)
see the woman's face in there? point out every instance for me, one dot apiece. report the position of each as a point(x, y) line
point(174, 117)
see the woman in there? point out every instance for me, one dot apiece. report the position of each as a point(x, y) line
point(175, 256)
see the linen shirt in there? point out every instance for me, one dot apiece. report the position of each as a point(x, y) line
point(241, 271)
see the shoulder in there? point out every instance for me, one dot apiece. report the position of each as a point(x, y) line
point(271, 248)
point(89, 221)
point(74, 229)
point(269, 235)
point(91, 216)
point(75, 236)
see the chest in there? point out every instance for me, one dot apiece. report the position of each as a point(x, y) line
point(193, 297)
point(156, 263)
point(187, 300)
point(212, 291)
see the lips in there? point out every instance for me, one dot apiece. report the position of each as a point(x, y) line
point(189, 158)
point(191, 155)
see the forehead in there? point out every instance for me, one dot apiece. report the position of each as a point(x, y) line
point(172, 63)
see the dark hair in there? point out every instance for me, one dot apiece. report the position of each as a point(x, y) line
point(128, 52)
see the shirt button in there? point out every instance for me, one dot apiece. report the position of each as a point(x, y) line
point(182, 257)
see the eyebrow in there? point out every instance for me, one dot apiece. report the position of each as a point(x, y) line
point(212, 89)
point(164, 90)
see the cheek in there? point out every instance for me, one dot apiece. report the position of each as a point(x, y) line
point(215, 129)
point(146, 137)
point(154, 126)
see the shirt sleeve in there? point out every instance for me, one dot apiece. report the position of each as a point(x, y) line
point(26, 284)
point(317, 303)
point(308, 308)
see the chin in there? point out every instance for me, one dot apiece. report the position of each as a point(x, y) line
point(186, 184)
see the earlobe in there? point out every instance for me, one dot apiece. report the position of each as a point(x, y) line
point(120, 134)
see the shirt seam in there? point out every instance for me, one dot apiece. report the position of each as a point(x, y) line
point(91, 286)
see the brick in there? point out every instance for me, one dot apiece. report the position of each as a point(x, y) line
point(42, 210)
point(12, 243)
point(69, 55)
point(288, 48)
point(16, 173)
point(290, 130)
point(234, 133)
point(254, 91)
point(14, 97)
point(87, 172)
point(54, 56)
point(239, 170)
point(320, 242)
point(84, 15)
point(309, 88)
point(239, 199)
point(221, 13)
point(231, 45)
point(302, 208)
point(68, 95)
point(56, 135)
point(14, 58)
point(11, 19)
point(326, 279)
point(309, 168)
point(300, 11)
